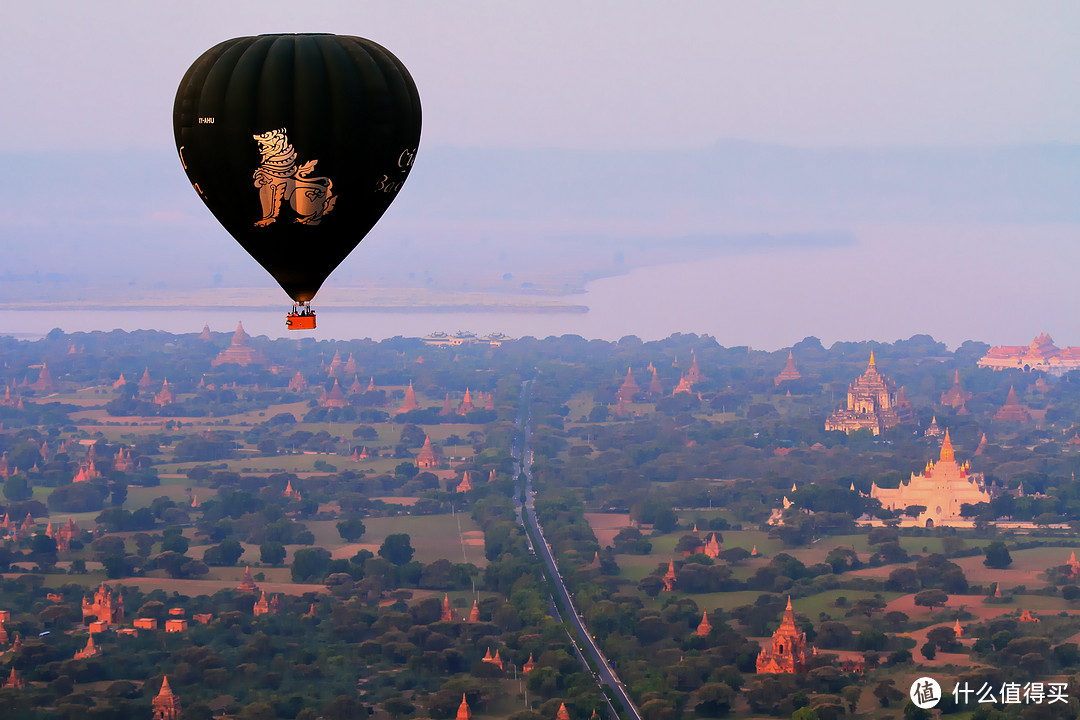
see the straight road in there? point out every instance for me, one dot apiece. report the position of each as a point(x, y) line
point(527, 516)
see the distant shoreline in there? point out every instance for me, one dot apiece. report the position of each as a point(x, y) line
point(466, 308)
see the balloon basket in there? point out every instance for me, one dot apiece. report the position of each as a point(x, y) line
point(294, 321)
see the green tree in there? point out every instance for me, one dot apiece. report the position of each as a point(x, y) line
point(310, 564)
point(16, 489)
point(397, 548)
point(931, 598)
point(272, 553)
point(351, 529)
point(997, 556)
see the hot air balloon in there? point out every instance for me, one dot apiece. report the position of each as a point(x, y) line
point(297, 144)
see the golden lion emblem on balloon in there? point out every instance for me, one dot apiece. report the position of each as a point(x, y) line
point(279, 179)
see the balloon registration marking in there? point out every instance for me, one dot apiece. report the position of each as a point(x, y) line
point(279, 179)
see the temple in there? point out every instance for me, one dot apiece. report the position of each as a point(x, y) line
point(1012, 410)
point(429, 455)
point(1041, 354)
point(943, 489)
point(410, 403)
point(872, 404)
point(955, 396)
point(335, 398)
point(704, 628)
point(166, 705)
point(238, 352)
point(45, 382)
point(787, 651)
point(105, 607)
point(629, 389)
point(790, 372)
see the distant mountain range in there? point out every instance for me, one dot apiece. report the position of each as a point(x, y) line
point(87, 223)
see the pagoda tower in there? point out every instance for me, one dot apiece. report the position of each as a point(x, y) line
point(704, 628)
point(247, 584)
point(669, 578)
point(335, 398)
point(165, 397)
point(166, 705)
point(45, 382)
point(14, 681)
point(694, 375)
point(428, 457)
point(934, 430)
point(238, 352)
point(656, 390)
point(463, 712)
point(790, 372)
point(872, 404)
point(629, 389)
point(351, 367)
point(466, 405)
point(955, 396)
point(410, 403)
point(335, 365)
point(89, 651)
point(787, 651)
point(1012, 411)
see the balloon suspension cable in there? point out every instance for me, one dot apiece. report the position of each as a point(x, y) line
point(301, 317)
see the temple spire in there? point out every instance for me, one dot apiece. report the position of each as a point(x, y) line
point(947, 448)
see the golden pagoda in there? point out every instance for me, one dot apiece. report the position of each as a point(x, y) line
point(943, 488)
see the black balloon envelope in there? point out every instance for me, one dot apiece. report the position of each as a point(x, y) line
point(297, 144)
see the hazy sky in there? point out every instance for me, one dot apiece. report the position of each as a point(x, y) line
point(631, 75)
point(614, 74)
